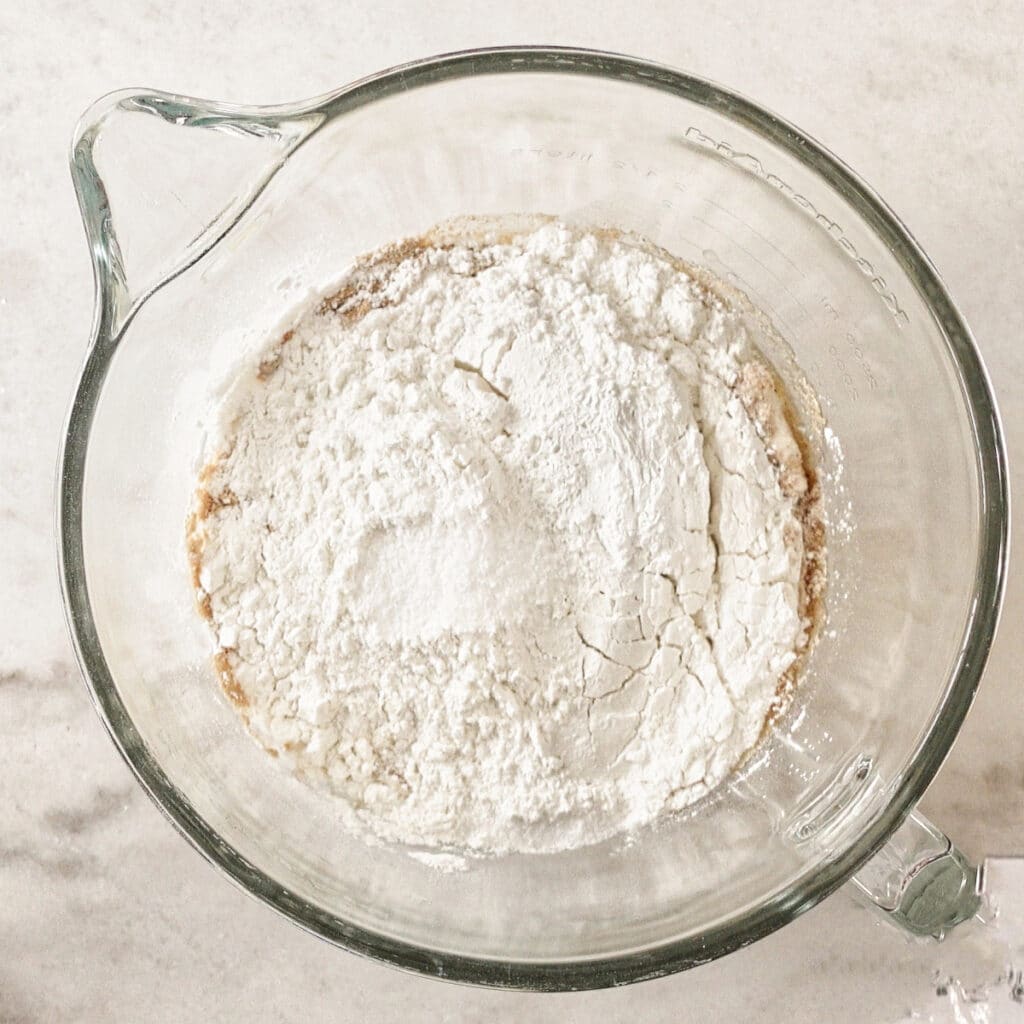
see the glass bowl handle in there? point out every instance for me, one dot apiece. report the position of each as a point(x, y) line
point(920, 880)
point(156, 194)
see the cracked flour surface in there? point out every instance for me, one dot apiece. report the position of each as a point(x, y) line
point(506, 542)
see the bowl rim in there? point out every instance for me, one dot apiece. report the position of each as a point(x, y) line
point(811, 886)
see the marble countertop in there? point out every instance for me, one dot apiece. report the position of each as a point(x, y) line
point(106, 914)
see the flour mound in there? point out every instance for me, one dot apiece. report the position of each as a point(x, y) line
point(494, 547)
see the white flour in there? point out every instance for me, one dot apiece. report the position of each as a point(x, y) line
point(493, 548)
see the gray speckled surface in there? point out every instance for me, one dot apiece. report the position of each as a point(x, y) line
point(105, 914)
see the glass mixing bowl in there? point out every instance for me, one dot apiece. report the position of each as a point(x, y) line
point(207, 222)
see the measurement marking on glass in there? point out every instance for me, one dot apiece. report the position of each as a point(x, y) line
point(750, 227)
point(765, 300)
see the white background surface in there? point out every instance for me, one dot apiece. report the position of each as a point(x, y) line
point(105, 913)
